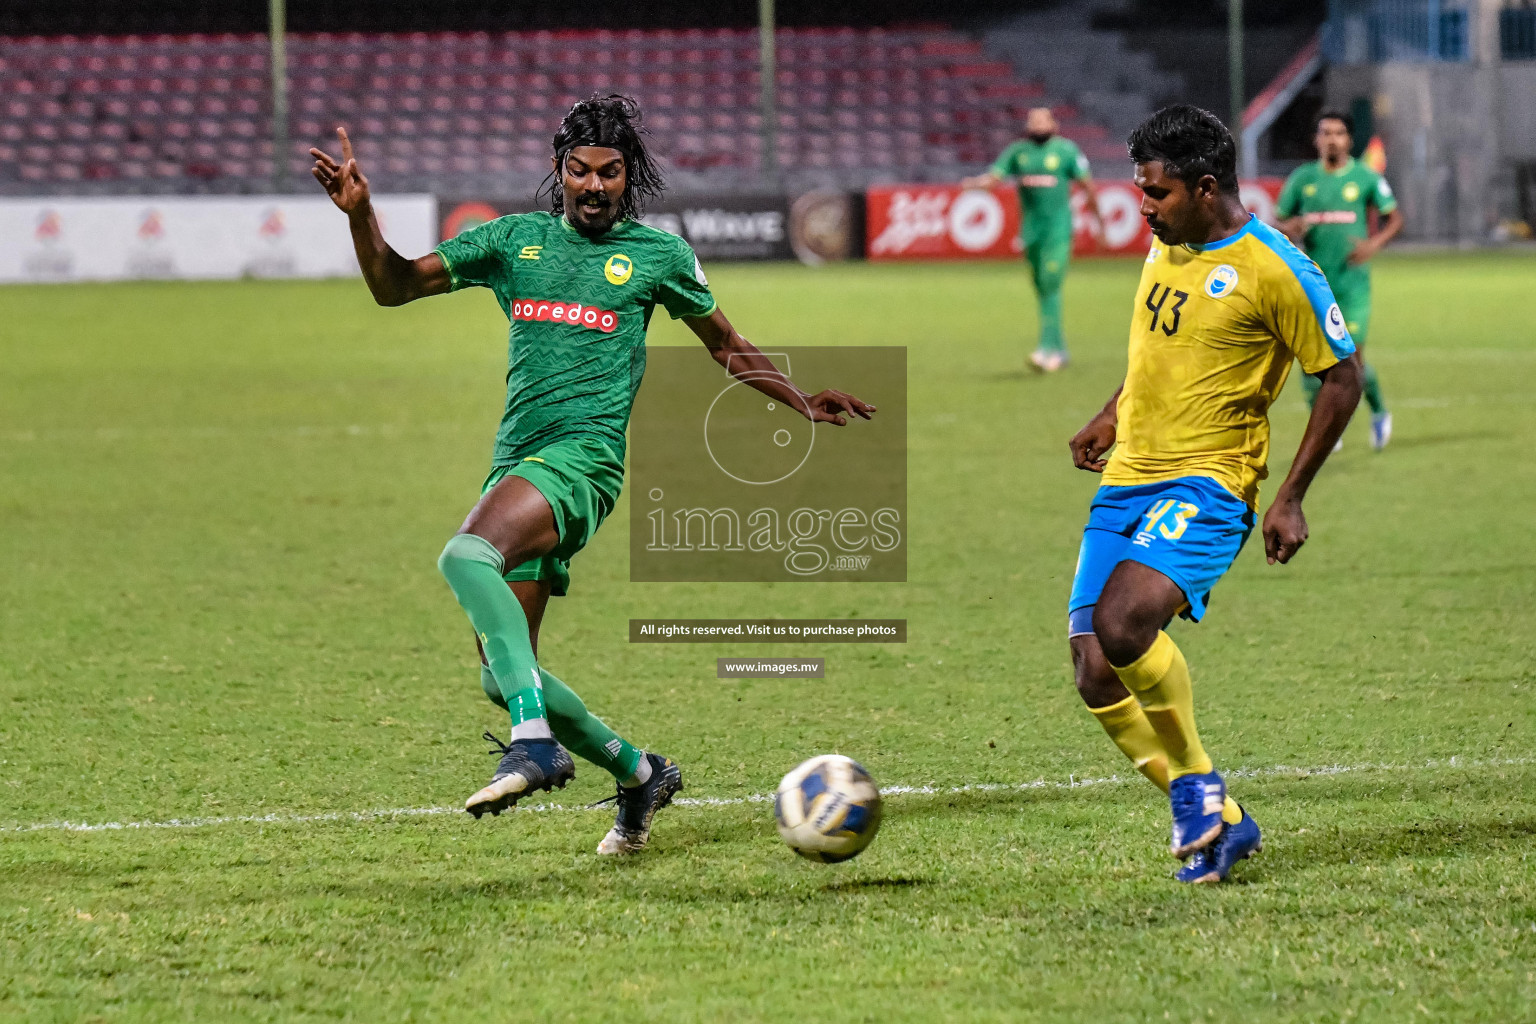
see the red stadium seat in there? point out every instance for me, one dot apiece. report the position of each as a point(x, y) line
point(448, 98)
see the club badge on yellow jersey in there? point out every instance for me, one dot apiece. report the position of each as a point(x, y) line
point(1213, 331)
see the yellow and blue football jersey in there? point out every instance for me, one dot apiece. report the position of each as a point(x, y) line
point(1213, 331)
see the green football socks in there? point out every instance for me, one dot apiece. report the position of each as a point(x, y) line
point(473, 568)
point(576, 728)
point(584, 734)
point(1050, 322)
point(1048, 270)
point(1372, 391)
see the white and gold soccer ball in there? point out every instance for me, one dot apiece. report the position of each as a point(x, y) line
point(828, 808)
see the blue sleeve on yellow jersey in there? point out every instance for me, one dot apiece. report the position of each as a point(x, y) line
point(1313, 285)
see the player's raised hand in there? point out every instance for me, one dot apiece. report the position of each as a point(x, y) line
point(1285, 530)
point(343, 181)
point(1089, 444)
point(827, 407)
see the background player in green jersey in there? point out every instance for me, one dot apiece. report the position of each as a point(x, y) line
point(1045, 167)
point(578, 287)
point(1324, 209)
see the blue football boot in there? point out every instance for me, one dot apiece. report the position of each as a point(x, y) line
point(1214, 863)
point(639, 804)
point(1196, 801)
point(526, 765)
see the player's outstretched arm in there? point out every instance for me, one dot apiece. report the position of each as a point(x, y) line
point(393, 279)
point(743, 361)
point(1285, 527)
point(1089, 444)
point(986, 179)
point(1294, 228)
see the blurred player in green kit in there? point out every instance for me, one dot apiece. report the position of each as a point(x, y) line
point(1045, 166)
point(1323, 208)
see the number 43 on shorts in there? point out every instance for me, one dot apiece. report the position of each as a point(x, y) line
point(1169, 518)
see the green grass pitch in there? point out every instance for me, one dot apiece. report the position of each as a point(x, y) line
point(220, 506)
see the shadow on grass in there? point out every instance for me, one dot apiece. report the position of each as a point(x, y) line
point(1010, 376)
point(857, 884)
point(1449, 437)
point(1379, 844)
point(1014, 798)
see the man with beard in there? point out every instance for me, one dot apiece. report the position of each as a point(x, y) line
point(1225, 303)
point(578, 286)
point(1045, 167)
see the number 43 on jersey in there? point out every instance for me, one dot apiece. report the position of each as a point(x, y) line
point(1170, 322)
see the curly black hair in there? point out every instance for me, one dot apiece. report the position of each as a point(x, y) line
point(1191, 142)
point(613, 122)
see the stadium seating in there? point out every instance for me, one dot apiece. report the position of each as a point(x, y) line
point(458, 111)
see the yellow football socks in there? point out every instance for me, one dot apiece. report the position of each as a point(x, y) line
point(1133, 734)
point(1128, 727)
point(1159, 680)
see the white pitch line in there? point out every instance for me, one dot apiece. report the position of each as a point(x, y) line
point(1072, 782)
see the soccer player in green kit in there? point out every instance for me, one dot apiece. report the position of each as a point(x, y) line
point(1046, 167)
point(1323, 208)
point(578, 286)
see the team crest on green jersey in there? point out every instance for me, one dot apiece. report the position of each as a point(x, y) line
point(618, 268)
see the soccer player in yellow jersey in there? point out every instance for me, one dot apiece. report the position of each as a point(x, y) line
point(1225, 303)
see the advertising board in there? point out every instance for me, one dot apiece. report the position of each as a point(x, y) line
point(944, 221)
point(727, 228)
point(187, 238)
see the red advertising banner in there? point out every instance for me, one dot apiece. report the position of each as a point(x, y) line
point(938, 222)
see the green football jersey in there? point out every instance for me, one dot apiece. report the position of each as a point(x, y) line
point(1333, 205)
point(1045, 173)
point(578, 308)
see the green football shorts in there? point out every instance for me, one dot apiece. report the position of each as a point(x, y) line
point(581, 479)
point(1048, 259)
